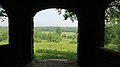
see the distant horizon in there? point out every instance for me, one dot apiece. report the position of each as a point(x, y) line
point(46, 26)
point(54, 26)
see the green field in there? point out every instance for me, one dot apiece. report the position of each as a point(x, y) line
point(64, 49)
point(50, 45)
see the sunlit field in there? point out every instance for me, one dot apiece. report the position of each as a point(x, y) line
point(65, 48)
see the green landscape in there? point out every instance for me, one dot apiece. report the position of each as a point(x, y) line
point(55, 43)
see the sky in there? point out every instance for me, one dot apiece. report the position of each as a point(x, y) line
point(4, 23)
point(49, 17)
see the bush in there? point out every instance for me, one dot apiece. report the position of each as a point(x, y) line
point(73, 42)
point(54, 37)
point(37, 40)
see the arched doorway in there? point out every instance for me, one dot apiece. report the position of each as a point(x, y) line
point(54, 37)
point(4, 27)
point(112, 26)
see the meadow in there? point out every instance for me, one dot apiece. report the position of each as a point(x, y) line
point(51, 50)
point(66, 48)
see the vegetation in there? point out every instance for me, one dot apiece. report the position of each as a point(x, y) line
point(55, 43)
point(4, 35)
point(112, 26)
point(3, 14)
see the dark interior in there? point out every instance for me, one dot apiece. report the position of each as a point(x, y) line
point(90, 16)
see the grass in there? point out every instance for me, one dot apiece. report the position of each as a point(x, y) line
point(62, 46)
point(4, 43)
point(112, 47)
point(50, 50)
point(50, 54)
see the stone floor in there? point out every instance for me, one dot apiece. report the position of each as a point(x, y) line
point(53, 63)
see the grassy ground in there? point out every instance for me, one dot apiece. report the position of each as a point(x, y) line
point(112, 47)
point(4, 43)
point(64, 50)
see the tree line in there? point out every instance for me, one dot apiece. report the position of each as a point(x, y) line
point(52, 36)
point(63, 29)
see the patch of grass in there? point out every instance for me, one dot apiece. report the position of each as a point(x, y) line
point(62, 46)
point(50, 50)
point(38, 56)
point(45, 54)
point(4, 43)
point(112, 47)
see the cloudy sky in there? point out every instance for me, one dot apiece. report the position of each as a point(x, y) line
point(49, 17)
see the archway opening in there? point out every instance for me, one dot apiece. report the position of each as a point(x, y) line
point(112, 26)
point(54, 36)
point(4, 27)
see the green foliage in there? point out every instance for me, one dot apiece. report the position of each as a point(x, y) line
point(37, 33)
point(3, 14)
point(112, 28)
point(52, 29)
point(58, 31)
point(68, 14)
point(112, 13)
point(4, 35)
point(73, 42)
point(54, 37)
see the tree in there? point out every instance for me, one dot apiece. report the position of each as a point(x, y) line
point(37, 35)
point(55, 36)
point(112, 14)
point(112, 23)
point(68, 14)
point(3, 14)
point(49, 36)
point(58, 31)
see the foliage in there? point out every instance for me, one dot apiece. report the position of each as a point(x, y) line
point(58, 31)
point(73, 42)
point(63, 29)
point(112, 13)
point(3, 14)
point(112, 25)
point(4, 35)
point(54, 37)
point(68, 14)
